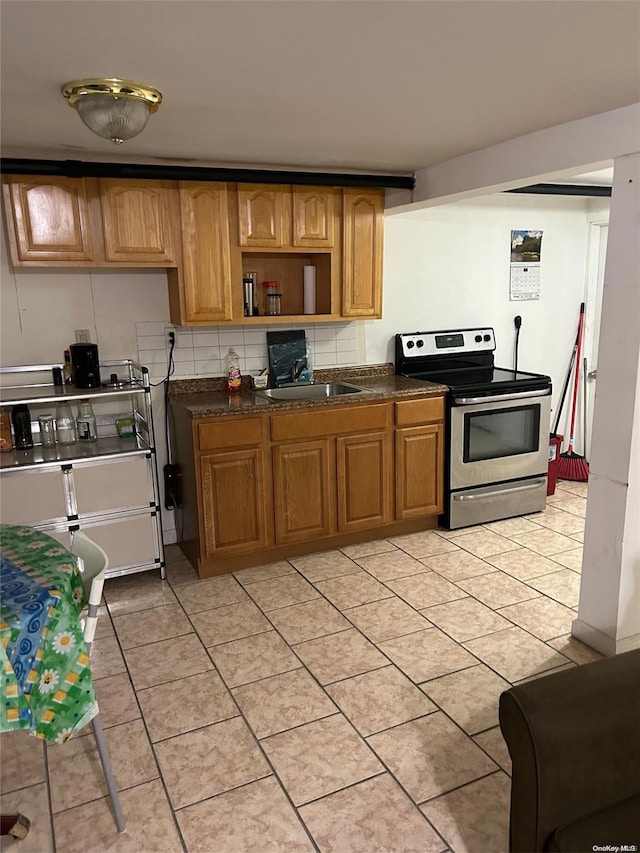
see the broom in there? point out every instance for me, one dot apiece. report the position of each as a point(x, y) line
point(572, 466)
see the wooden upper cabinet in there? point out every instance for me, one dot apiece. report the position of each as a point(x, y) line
point(206, 284)
point(264, 215)
point(137, 221)
point(283, 216)
point(313, 217)
point(48, 219)
point(362, 253)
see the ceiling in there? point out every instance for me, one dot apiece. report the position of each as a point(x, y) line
point(370, 85)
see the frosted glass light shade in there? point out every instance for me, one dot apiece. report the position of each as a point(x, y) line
point(112, 117)
point(113, 108)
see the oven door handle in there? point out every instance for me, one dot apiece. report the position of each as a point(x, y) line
point(509, 491)
point(500, 398)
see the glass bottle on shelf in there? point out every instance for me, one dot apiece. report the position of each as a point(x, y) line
point(65, 425)
point(86, 422)
point(21, 419)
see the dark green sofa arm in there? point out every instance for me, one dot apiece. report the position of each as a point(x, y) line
point(574, 740)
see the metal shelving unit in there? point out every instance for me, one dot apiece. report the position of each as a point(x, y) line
point(109, 487)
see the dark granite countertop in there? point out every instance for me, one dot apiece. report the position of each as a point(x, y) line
point(206, 398)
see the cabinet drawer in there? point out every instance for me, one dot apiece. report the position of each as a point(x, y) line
point(419, 411)
point(323, 422)
point(128, 541)
point(225, 432)
point(112, 485)
point(35, 496)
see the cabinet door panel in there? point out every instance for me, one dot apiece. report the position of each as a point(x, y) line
point(113, 485)
point(304, 491)
point(313, 218)
point(419, 471)
point(50, 219)
point(207, 251)
point(127, 541)
point(33, 497)
point(233, 505)
point(365, 487)
point(362, 279)
point(136, 219)
point(262, 218)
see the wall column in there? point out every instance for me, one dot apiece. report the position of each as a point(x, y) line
point(609, 610)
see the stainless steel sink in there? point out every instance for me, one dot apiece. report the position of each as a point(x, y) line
point(315, 391)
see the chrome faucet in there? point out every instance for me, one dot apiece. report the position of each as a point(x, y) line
point(297, 367)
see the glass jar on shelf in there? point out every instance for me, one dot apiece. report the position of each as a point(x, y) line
point(65, 425)
point(47, 430)
point(86, 422)
point(272, 299)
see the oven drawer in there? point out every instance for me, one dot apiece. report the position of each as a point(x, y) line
point(490, 503)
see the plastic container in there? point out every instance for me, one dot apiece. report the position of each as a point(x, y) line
point(6, 443)
point(232, 370)
point(21, 419)
point(126, 426)
point(86, 422)
point(65, 425)
point(555, 445)
point(272, 299)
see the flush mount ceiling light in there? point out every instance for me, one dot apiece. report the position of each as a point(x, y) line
point(114, 109)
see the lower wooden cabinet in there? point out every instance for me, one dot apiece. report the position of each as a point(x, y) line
point(258, 486)
point(304, 489)
point(365, 484)
point(233, 511)
point(419, 471)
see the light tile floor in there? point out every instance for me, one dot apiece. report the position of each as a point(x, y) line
point(344, 701)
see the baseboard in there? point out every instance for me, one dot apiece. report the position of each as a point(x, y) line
point(601, 642)
point(170, 536)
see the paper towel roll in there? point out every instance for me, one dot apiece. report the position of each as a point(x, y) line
point(309, 274)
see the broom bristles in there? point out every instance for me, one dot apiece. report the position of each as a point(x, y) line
point(572, 466)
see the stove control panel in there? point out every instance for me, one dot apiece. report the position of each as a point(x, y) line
point(420, 344)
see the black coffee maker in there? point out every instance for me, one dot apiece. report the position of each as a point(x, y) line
point(85, 365)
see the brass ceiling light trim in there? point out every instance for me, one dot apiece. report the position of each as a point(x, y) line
point(113, 108)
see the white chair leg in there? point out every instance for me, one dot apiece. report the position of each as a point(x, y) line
point(108, 773)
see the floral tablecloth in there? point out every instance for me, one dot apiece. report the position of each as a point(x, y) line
point(46, 677)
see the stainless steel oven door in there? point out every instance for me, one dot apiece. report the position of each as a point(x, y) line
point(499, 438)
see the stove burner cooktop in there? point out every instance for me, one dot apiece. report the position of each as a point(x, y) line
point(462, 360)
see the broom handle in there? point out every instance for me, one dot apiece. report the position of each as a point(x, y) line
point(566, 385)
point(576, 380)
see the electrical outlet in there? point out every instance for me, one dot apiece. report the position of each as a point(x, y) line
point(169, 335)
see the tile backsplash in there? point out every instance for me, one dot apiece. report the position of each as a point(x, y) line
point(201, 351)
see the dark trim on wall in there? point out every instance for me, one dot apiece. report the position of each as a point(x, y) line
point(564, 189)
point(78, 169)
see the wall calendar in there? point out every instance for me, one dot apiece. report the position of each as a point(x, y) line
point(524, 280)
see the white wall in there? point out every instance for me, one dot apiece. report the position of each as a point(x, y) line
point(448, 267)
